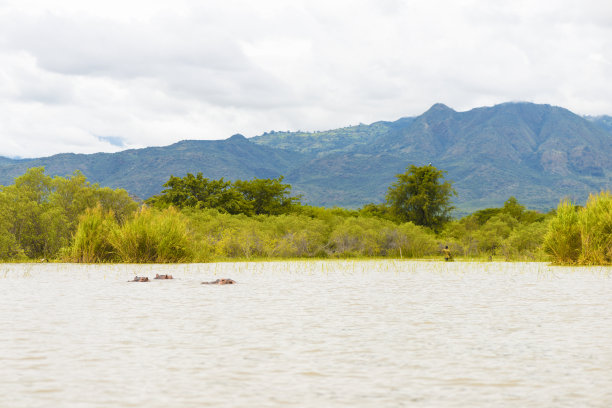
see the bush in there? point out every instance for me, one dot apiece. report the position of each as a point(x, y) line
point(595, 223)
point(584, 235)
point(562, 240)
point(247, 241)
point(153, 236)
point(91, 242)
point(358, 237)
point(416, 241)
point(9, 248)
point(296, 236)
point(525, 242)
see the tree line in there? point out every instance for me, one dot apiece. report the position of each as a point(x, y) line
point(195, 219)
point(40, 214)
point(420, 195)
point(249, 197)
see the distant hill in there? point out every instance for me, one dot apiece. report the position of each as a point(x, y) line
point(604, 121)
point(143, 171)
point(538, 153)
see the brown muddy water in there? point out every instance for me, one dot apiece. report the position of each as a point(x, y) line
point(306, 334)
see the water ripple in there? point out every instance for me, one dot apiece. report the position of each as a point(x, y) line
point(341, 333)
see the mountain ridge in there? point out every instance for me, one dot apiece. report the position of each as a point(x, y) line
point(538, 153)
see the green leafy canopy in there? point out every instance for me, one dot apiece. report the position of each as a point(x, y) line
point(421, 196)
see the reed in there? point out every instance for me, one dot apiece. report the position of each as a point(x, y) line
point(91, 240)
point(595, 223)
point(153, 236)
point(562, 240)
point(582, 235)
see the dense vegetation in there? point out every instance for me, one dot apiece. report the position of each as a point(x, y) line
point(39, 214)
point(191, 221)
point(420, 196)
point(582, 235)
point(251, 197)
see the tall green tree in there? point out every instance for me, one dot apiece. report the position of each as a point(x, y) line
point(36, 224)
point(39, 213)
point(267, 196)
point(421, 196)
point(250, 197)
point(513, 207)
point(200, 192)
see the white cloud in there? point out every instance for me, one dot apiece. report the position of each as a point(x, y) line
point(74, 75)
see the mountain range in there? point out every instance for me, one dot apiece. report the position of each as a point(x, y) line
point(537, 153)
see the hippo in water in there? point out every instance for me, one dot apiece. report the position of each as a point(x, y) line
point(140, 279)
point(158, 276)
point(224, 281)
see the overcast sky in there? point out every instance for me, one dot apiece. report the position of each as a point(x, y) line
point(88, 76)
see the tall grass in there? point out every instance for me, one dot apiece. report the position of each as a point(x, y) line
point(91, 242)
point(595, 222)
point(582, 235)
point(562, 240)
point(153, 236)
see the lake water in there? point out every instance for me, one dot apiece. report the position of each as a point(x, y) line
point(306, 334)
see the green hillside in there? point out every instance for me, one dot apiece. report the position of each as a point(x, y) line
point(143, 171)
point(537, 153)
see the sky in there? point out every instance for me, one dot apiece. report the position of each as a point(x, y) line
point(103, 76)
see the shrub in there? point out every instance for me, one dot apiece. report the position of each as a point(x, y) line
point(562, 240)
point(153, 236)
point(416, 241)
point(91, 242)
point(247, 241)
point(595, 224)
point(525, 242)
point(357, 237)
